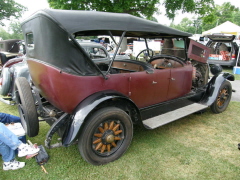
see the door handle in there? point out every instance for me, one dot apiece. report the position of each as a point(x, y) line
point(173, 79)
point(154, 82)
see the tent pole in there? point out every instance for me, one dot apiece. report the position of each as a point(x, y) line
point(237, 56)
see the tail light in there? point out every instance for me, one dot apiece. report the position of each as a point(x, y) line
point(233, 56)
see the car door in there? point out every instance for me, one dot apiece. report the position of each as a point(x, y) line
point(180, 82)
point(149, 88)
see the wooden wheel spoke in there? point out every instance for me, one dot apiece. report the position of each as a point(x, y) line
point(97, 141)
point(101, 129)
point(117, 138)
point(99, 146)
point(111, 125)
point(108, 147)
point(116, 127)
point(105, 126)
point(98, 135)
point(117, 132)
point(114, 144)
point(103, 148)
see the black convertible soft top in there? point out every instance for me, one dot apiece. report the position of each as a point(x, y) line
point(52, 32)
point(75, 21)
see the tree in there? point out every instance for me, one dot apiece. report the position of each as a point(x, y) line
point(9, 8)
point(15, 27)
point(221, 14)
point(186, 25)
point(4, 34)
point(200, 7)
point(140, 8)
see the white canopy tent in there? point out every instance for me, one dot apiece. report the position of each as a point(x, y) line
point(226, 28)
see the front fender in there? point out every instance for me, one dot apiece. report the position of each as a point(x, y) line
point(213, 87)
point(85, 108)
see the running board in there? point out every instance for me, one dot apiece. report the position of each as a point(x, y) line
point(168, 117)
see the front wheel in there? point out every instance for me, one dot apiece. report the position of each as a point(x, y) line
point(106, 136)
point(26, 107)
point(223, 98)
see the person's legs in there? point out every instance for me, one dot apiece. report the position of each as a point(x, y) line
point(14, 119)
point(8, 156)
point(8, 118)
point(7, 153)
point(8, 138)
point(12, 141)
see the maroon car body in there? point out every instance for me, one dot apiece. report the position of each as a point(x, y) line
point(96, 104)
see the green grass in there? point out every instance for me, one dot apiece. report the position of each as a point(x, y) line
point(199, 146)
point(230, 70)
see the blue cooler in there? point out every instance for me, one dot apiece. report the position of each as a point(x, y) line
point(236, 70)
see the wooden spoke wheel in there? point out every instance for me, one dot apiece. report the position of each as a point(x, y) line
point(105, 136)
point(108, 137)
point(223, 98)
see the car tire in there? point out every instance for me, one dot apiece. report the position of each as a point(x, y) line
point(6, 82)
point(26, 107)
point(106, 136)
point(223, 98)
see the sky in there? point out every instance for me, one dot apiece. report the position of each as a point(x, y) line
point(34, 5)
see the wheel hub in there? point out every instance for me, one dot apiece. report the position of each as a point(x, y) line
point(109, 138)
point(106, 137)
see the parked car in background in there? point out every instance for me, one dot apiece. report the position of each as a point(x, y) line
point(98, 53)
point(223, 49)
point(16, 67)
point(12, 66)
point(96, 105)
point(10, 49)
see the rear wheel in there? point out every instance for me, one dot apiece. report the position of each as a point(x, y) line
point(26, 107)
point(5, 82)
point(106, 136)
point(223, 98)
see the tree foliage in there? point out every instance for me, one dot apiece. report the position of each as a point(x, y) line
point(9, 8)
point(14, 28)
point(221, 14)
point(140, 8)
point(200, 7)
point(185, 25)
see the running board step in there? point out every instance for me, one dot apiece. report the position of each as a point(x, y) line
point(168, 117)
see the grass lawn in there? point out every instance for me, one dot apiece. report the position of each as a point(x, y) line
point(199, 146)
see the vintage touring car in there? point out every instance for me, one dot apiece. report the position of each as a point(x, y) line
point(96, 105)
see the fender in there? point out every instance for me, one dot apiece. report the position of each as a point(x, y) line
point(86, 107)
point(214, 86)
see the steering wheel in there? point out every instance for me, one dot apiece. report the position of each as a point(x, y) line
point(148, 53)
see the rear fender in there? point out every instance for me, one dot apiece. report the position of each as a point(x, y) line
point(85, 108)
point(213, 87)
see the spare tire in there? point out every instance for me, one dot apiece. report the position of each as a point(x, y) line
point(26, 107)
point(5, 82)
